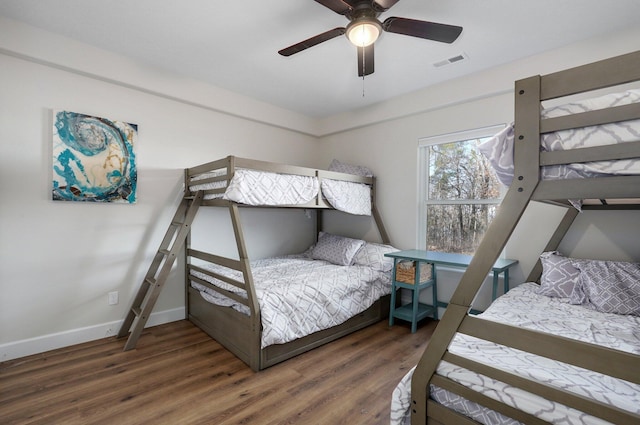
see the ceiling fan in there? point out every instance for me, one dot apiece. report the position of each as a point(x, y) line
point(364, 28)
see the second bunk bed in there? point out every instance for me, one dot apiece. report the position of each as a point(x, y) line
point(564, 347)
point(268, 310)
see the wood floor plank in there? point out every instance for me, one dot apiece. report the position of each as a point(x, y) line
point(120, 382)
point(82, 363)
point(180, 329)
point(177, 374)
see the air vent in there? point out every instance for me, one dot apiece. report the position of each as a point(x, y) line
point(453, 59)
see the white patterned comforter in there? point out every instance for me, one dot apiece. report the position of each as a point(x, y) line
point(253, 187)
point(299, 296)
point(499, 149)
point(523, 307)
point(353, 198)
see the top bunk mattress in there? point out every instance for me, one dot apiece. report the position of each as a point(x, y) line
point(267, 188)
point(499, 149)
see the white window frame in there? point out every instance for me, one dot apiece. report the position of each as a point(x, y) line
point(423, 175)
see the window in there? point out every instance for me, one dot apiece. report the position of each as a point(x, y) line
point(459, 191)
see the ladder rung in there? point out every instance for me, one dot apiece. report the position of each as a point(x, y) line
point(137, 311)
point(164, 251)
point(151, 281)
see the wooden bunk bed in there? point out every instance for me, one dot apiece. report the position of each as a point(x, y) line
point(241, 329)
point(618, 191)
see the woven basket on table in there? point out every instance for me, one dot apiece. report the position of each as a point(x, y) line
point(406, 272)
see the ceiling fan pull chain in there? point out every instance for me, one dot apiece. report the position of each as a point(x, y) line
point(364, 71)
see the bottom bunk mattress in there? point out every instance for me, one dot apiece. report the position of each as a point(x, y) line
point(299, 295)
point(524, 307)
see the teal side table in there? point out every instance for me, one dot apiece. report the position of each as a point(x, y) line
point(415, 310)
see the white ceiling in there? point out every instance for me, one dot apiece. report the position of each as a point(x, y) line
point(233, 44)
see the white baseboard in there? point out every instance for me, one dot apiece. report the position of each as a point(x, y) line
point(27, 347)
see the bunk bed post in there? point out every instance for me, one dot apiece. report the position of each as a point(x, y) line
point(187, 247)
point(319, 223)
point(377, 217)
point(251, 293)
point(380, 225)
point(555, 240)
point(526, 178)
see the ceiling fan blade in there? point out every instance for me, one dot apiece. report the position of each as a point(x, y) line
point(384, 5)
point(365, 60)
point(337, 6)
point(310, 42)
point(423, 29)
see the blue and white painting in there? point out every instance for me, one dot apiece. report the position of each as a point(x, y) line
point(93, 159)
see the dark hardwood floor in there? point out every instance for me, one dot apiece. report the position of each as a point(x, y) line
point(179, 375)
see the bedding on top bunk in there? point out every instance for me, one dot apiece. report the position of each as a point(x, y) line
point(350, 197)
point(304, 293)
point(525, 307)
point(499, 149)
point(252, 187)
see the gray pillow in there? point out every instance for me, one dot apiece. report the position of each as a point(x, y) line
point(559, 276)
point(336, 249)
point(609, 286)
point(358, 170)
point(372, 255)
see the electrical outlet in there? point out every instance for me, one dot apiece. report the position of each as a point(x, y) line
point(113, 298)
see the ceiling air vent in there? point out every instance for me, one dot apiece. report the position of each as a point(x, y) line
point(453, 59)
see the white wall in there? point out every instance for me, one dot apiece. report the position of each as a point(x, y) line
point(59, 260)
point(390, 149)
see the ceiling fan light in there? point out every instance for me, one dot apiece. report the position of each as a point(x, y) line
point(363, 33)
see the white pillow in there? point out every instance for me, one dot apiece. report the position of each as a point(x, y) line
point(372, 255)
point(336, 249)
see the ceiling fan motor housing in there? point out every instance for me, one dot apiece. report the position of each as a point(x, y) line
point(363, 31)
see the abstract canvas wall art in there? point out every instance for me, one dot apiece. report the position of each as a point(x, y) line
point(93, 159)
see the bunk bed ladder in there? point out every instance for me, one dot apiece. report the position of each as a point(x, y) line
point(159, 269)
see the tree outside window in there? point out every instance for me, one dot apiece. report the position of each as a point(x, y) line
point(460, 191)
